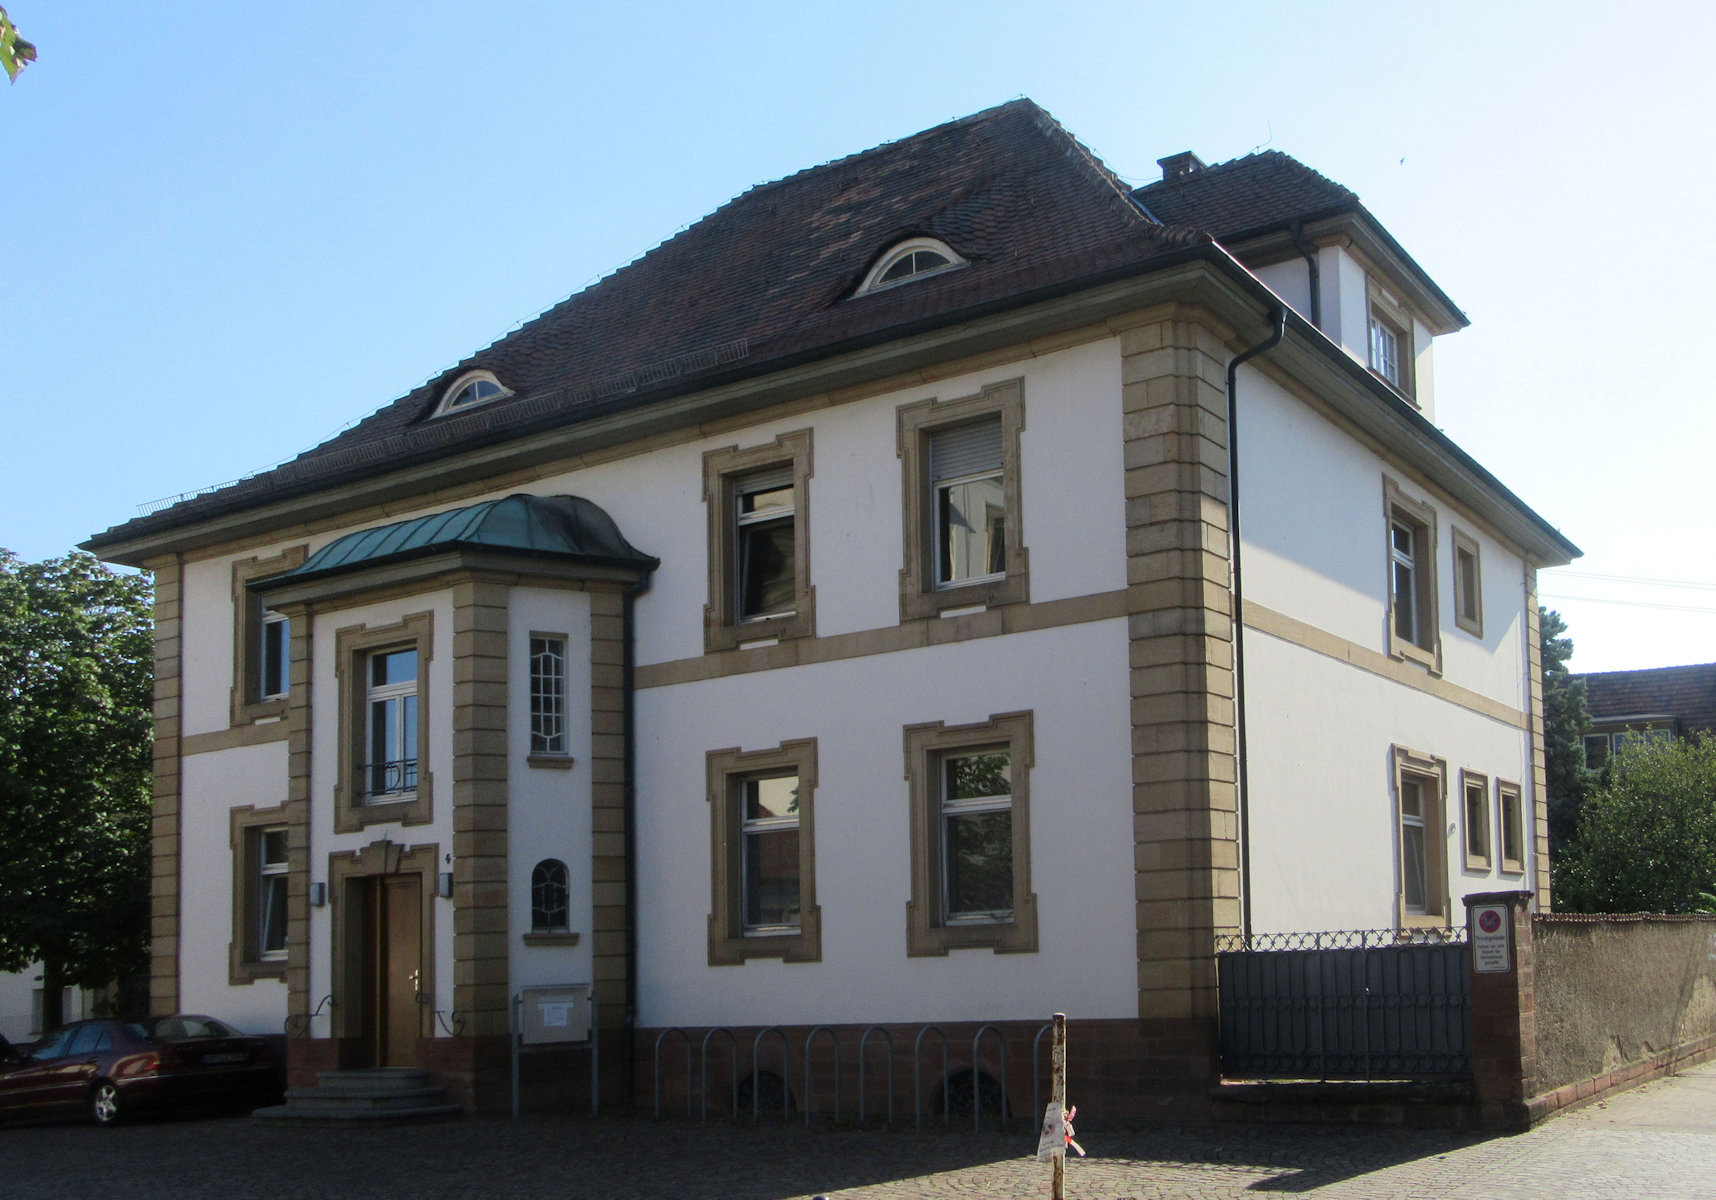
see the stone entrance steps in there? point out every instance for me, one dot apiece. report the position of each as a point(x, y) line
point(382, 1096)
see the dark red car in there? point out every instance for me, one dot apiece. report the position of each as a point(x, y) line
point(110, 1069)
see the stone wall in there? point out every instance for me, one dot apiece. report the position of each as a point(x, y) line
point(1617, 993)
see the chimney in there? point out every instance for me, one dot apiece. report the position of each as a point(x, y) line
point(1178, 166)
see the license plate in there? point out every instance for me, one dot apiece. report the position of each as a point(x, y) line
point(213, 1059)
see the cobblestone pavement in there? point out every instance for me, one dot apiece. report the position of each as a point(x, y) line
point(1658, 1141)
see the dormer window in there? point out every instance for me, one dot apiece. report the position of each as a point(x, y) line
point(469, 390)
point(912, 259)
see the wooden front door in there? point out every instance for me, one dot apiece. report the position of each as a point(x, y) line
point(392, 968)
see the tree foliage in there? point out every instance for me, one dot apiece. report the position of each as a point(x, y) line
point(76, 684)
point(15, 52)
point(1647, 838)
point(1565, 720)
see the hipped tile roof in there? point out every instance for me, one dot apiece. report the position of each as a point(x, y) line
point(1687, 692)
point(1246, 195)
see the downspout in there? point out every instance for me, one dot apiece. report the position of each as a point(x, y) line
point(1313, 271)
point(1280, 320)
point(628, 671)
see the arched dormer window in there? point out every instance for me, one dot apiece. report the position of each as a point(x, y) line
point(548, 897)
point(469, 390)
point(913, 258)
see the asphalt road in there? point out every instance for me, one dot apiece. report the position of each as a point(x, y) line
point(1658, 1141)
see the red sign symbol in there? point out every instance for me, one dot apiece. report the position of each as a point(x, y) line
point(1489, 920)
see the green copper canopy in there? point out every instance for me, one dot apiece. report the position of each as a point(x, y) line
point(562, 527)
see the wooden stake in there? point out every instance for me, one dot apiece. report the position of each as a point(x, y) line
point(1058, 1093)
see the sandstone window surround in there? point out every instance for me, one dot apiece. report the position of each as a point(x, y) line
point(1512, 828)
point(762, 808)
point(1475, 820)
point(1421, 843)
point(970, 839)
point(549, 746)
point(261, 866)
point(1414, 630)
point(1468, 583)
point(758, 503)
point(1391, 343)
point(261, 641)
point(384, 726)
point(963, 532)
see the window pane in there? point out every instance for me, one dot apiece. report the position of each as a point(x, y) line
point(765, 798)
point(407, 738)
point(547, 696)
point(1468, 585)
point(771, 878)
point(1405, 626)
point(766, 568)
point(275, 640)
point(979, 863)
point(971, 528)
point(548, 896)
point(1476, 819)
point(766, 500)
point(273, 847)
point(1411, 803)
point(397, 667)
point(271, 924)
point(1510, 828)
point(1412, 866)
point(973, 776)
point(899, 270)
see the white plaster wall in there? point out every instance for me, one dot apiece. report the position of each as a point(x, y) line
point(1316, 541)
point(1322, 809)
point(325, 766)
point(17, 1004)
point(205, 655)
point(1291, 281)
point(1350, 324)
point(549, 808)
point(1423, 370)
point(213, 785)
point(1074, 679)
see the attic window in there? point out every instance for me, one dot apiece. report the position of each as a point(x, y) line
point(469, 390)
point(911, 259)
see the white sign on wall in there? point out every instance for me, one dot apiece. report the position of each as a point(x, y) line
point(1490, 948)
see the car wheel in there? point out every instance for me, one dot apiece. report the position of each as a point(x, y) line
point(105, 1106)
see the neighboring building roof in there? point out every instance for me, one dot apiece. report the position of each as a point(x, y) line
point(1687, 693)
point(567, 527)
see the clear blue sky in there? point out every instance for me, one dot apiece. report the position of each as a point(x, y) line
point(231, 229)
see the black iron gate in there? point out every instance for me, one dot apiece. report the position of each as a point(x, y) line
point(1354, 1004)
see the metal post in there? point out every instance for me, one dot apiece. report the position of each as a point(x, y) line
point(1058, 1095)
point(596, 1056)
point(514, 1023)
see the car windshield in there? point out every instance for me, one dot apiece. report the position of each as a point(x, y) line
point(173, 1028)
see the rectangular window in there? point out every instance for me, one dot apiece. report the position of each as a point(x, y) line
point(762, 826)
point(970, 503)
point(390, 767)
point(959, 464)
point(977, 836)
point(759, 543)
point(970, 836)
point(1390, 332)
point(382, 677)
point(271, 893)
point(272, 671)
point(1512, 828)
point(1419, 784)
point(1596, 750)
point(769, 849)
point(547, 695)
point(1385, 350)
point(261, 885)
point(1468, 585)
point(1476, 790)
point(1413, 629)
point(764, 536)
point(261, 641)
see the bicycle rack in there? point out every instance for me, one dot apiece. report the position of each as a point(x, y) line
point(918, 1078)
point(808, 1039)
point(1036, 1069)
point(786, 1074)
point(977, 1079)
point(733, 1045)
point(686, 1038)
point(889, 1038)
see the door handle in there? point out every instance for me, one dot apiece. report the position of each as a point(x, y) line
point(417, 982)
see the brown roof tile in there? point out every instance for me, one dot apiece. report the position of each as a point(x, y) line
point(1687, 692)
point(1246, 195)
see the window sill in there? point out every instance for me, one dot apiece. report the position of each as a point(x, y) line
point(556, 762)
point(1423, 921)
point(1430, 660)
point(1510, 867)
point(551, 939)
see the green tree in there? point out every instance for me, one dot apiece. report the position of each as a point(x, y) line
point(15, 52)
point(76, 669)
point(1565, 720)
point(1647, 837)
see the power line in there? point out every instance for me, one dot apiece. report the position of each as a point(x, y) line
point(1634, 579)
point(1691, 608)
